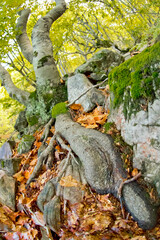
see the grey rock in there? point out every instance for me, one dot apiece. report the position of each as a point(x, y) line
point(11, 165)
point(104, 169)
point(101, 62)
point(78, 84)
point(6, 150)
point(25, 144)
point(21, 123)
point(142, 131)
point(7, 190)
point(98, 76)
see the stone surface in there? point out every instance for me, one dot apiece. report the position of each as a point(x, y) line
point(142, 131)
point(21, 123)
point(11, 165)
point(6, 150)
point(25, 144)
point(104, 169)
point(78, 84)
point(7, 190)
point(101, 63)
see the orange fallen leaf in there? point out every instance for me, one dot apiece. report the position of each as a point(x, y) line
point(37, 144)
point(19, 176)
point(134, 172)
point(69, 181)
point(33, 162)
point(76, 106)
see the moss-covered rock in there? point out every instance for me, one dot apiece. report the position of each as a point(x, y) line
point(100, 64)
point(25, 144)
point(136, 79)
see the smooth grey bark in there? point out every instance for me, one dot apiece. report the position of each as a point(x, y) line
point(104, 170)
point(14, 92)
point(47, 75)
point(22, 37)
point(102, 164)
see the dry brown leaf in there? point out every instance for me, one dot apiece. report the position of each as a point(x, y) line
point(19, 176)
point(76, 106)
point(97, 221)
point(33, 162)
point(139, 238)
point(69, 181)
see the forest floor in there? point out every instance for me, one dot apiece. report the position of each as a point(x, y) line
point(96, 217)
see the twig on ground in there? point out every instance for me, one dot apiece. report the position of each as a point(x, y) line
point(94, 86)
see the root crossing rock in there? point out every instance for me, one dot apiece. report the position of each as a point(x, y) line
point(104, 170)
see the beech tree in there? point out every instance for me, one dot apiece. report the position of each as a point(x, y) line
point(91, 156)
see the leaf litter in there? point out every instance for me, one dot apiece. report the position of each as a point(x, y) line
point(96, 217)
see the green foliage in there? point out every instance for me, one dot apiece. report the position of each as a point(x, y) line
point(135, 79)
point(59, 108)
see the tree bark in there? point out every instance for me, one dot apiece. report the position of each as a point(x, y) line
point(47, 75)
point(22, 37)
point(14, 92)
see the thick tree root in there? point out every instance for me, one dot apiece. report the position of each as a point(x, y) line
point(104, 169)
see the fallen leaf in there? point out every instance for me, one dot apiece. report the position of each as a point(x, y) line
point(76, 106)
point(69, 181)
point(134, 172)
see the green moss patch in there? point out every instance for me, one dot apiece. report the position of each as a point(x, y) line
point(59, 108)
point(136, 79)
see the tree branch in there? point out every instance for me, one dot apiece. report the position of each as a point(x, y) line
point(44, 65)
point(22, 37)
point(14, 92)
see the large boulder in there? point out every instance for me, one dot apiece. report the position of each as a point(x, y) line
point(100, 64)
point(135, 109)
point(142, 131)
point(7, 190)
point(77, 85)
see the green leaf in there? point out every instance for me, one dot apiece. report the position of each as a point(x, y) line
point(59, 108)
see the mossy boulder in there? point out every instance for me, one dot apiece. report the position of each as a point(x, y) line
point(25, 144)
point(136, 81)
point(100, 64)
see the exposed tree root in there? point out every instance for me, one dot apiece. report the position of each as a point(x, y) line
point(41, 160)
